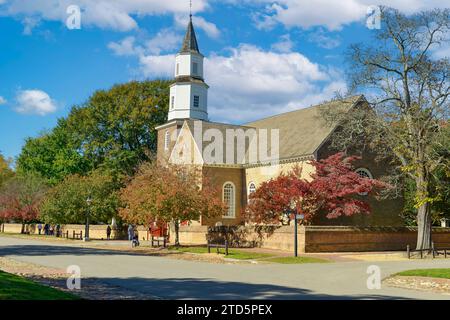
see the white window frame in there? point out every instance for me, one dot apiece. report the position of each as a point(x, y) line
point(368, 173)
point(231, 214)
point(166, 140)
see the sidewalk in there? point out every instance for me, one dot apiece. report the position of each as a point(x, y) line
point(124, 245)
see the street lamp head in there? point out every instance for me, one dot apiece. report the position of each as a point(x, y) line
point(89, 201)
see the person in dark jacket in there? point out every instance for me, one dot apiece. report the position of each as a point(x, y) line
point(108, 233)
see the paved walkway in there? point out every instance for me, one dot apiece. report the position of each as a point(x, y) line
point(177, 279)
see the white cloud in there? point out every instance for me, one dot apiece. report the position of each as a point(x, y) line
point(329, 13)
point(441, 51)
point(165, 40)
point(34, 102)
point(105, 14)
point(2, 100)
point(252, 83)
point(284, 45)
point(125, 47)
point(208, 27)
point(157, 66)
point(323, 40)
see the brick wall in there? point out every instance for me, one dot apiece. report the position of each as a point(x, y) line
point(317, 238)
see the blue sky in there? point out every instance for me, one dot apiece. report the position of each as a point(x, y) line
point(262, 57)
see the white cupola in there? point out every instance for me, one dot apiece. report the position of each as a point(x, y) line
point(189, 93)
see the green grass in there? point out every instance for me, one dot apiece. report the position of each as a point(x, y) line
point(13, 287)
point(249, 255)
point(232, 253)
point(434, 273)
point(296, 260)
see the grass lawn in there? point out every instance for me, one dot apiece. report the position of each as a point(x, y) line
point(232, 253)
point(248, 255)
point(433, 273)
point(295, 260)
point(13, 287)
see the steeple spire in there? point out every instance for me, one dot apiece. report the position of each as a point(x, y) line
point(190, 43)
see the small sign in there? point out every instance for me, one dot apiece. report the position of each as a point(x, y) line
point(300, 216)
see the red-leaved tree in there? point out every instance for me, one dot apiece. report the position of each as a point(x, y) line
point(169, 194)
point(333, 188)
point(20, 198)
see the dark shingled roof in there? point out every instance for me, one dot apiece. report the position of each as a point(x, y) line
point(190, 40)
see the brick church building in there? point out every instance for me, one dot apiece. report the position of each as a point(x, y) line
point(238, 158)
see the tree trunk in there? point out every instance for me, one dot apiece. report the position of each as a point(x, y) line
point(424, 227)
point(177, 233)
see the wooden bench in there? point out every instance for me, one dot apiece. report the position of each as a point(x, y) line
point(77, 235)
point(159, 241)
point(64, 234)
point(218, 247)
point(434, 251)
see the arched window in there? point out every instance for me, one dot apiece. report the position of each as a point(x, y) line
point(166, 140)
point(229, 199)
point(251, 188)
point(364, 173)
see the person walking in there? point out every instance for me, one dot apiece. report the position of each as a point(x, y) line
point(46, 229)
point(130, 232)
point(40, 228)
point(108, 233)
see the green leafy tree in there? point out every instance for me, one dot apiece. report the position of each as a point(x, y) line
point(5, 170)
point(117, 126)
point(54, 155)
point(66, 202)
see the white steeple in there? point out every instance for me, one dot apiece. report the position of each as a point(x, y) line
point(189, 93)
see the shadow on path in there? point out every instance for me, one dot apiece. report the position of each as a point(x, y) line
point(208, 289)
point(46, 250)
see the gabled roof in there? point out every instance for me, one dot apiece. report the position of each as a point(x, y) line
point(190, 43)
point(303, 131)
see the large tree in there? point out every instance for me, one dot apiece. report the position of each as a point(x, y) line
point(333, 189)
point(170, 194)
point(67, 201)
point(117, 126)
point(408, 88)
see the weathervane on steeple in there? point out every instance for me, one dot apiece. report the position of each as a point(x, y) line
point(190, 9)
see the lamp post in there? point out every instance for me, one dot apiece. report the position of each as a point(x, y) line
point(86, 231)
point(294, 210)
point(296, 218)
